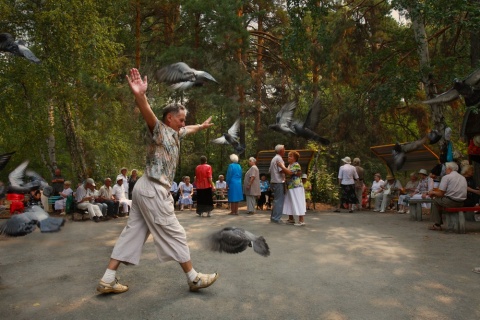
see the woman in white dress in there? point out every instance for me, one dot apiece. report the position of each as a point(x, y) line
point(377, 191)
point(294, 204)
point(60, 204)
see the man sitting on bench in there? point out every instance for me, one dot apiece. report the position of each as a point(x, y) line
point(451, 193)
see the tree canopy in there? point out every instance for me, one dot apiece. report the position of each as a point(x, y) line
point(368, 60)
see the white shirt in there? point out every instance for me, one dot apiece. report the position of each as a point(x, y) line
point(376, 186)
point(348, 174)
point(174, 187)
point(118, 192)
point(221, 184)
point(125, 182)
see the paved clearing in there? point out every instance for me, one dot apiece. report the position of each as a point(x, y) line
point(339, 266)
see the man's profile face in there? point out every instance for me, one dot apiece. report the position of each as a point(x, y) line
point(177, 121)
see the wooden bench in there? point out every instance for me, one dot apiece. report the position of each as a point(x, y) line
point(415, 206)
point(455, 218)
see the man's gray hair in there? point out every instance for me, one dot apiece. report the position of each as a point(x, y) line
point(174, 108)
point(279, 147)
point(252, 159)
point(451, 165)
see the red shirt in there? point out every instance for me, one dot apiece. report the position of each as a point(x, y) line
point(202, 173)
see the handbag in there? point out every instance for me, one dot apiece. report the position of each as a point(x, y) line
point(387, 191)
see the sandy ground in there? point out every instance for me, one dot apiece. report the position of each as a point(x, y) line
point(339, 266)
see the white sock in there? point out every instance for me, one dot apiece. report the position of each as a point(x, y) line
point(109, 276)
point(191, 275)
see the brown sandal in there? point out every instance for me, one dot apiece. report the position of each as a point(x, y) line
point(434, 227)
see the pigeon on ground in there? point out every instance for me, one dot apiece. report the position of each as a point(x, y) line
point(468, 88)
point(232, 138)
point(284, 119)
point(305, 129)
point(18, 48)
point(236, 240)
point(180, 76)
point(399, 151)
point(24, 223)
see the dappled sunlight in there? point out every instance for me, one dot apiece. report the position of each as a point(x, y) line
point(389, 302)
point(333, 315)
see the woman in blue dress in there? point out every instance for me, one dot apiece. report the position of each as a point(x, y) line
point(234, 183)
point(186, 192)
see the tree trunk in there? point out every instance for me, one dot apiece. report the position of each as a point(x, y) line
point(418, 26)
point(74, 143)
point(259, 74)
point(240, 88)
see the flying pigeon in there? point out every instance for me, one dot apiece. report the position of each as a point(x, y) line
point(284, 119)
point(305, 129)
point(17, 183)
point(180, 76)
point(231, 138)
point(468, 88)
point(236, 240)
point(4, 158)
point(399, 151)
point(18, 48)
point(22, 224)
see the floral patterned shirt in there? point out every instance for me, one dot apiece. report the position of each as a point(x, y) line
point(162, 153)
point(294, 181)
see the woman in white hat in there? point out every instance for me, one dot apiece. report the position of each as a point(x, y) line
point(425, 184)
point(346, 178)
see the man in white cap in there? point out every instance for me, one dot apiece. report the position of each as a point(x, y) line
point(123, 175)
point(85, 201)
point(347, 174)
point(118, 192)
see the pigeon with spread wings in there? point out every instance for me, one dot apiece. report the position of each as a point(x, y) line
point(236, 240)
point(400, 151)
point(17, 183)
point(305, 129)
point(284, 119)
point(232, 138)
point(468, 88)
point(18, 48)
point(180, 76)
point(22, 224)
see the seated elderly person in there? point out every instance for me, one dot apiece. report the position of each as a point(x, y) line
point(425, 184)
point(390, 189)
point(473, 192)
point(85, 201)
point(409, 191)
point(220, 188)
point(61, 203)
point(119, 193)
point(105, 195)
point(376, 192)
point(451, 193)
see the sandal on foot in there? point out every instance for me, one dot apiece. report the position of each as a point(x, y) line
point(434, 227)
point(113, 287)
point(290, 221)
point(202, 281)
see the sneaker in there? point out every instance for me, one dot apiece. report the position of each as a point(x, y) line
point(202, 281)
point(114, 287)
point(299, 224)
point(382, 211)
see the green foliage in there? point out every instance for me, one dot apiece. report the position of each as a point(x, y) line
point(363, 63)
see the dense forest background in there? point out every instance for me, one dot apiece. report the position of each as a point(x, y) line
point(371, 62)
